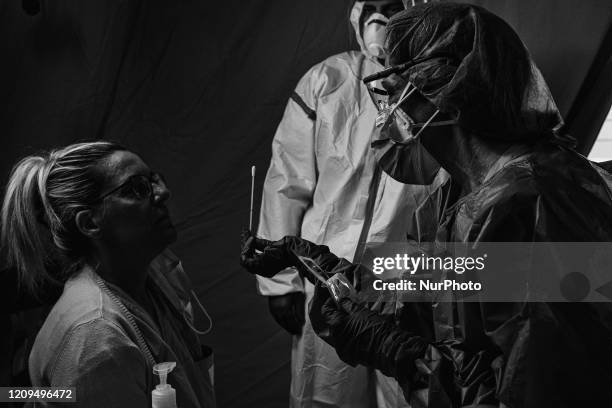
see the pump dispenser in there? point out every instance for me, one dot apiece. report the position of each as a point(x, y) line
point(163, 396)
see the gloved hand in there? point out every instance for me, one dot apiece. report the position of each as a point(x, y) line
point(269, 262)
point(321, 309)
point(288, 311)
point(276, 255)
point(328, 320)
point(361, 336)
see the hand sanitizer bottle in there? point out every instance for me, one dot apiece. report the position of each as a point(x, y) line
point(163, 396)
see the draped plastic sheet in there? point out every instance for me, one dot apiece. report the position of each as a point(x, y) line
point(198, 89)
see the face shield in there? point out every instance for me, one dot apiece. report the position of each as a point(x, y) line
point(396, 139)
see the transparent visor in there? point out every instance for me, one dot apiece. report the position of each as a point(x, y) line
point(379, 96)
point(390, 113)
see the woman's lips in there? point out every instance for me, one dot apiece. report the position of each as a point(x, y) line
point(164, 218)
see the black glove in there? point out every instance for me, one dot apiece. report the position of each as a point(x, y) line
point(318, 312)
point(276, 255)
point(269, 262)
point(361, 336)
point(288, 311)
point(328, 320)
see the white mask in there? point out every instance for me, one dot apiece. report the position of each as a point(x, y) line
point(374, 34)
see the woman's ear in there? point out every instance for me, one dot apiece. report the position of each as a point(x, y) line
point(88, 224)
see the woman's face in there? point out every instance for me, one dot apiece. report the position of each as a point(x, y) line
point(131, 219)
point(420, 110)
point(415, 106)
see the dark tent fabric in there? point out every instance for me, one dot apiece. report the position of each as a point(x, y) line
point(197, 88)
point(571, 42)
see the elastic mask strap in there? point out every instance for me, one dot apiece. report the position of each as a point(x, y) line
point(404, 95)
point(193, 295)
point(443, 123)
point(385, 116)
point(427, 123)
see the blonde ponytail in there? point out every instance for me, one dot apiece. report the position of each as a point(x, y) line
point(42, 198)
point(25, 237)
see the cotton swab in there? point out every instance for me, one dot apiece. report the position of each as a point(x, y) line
point(252, 193)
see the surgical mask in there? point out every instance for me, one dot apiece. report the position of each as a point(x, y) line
point(374, 34)
point(396, 138)
point(408, 162)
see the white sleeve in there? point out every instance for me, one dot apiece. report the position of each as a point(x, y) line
point(291, 179)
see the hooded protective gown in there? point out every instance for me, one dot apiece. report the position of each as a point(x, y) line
point(495, 355)
point(323, 185)
point(522, 354)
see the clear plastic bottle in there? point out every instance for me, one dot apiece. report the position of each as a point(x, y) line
point(163, 396)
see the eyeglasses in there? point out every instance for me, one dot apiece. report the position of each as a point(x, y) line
point(138, 186)
point(380, 97)
point(386, 111)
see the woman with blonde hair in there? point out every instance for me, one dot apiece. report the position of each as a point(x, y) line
point(99, 211)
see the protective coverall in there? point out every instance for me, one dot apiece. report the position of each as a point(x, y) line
point(324, 186)
point(89, 341)
point(516, 354)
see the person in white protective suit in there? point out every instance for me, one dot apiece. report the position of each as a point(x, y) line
point(323, 184)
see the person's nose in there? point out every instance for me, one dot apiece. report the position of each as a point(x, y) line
point(161, 192)
point(392, 84)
